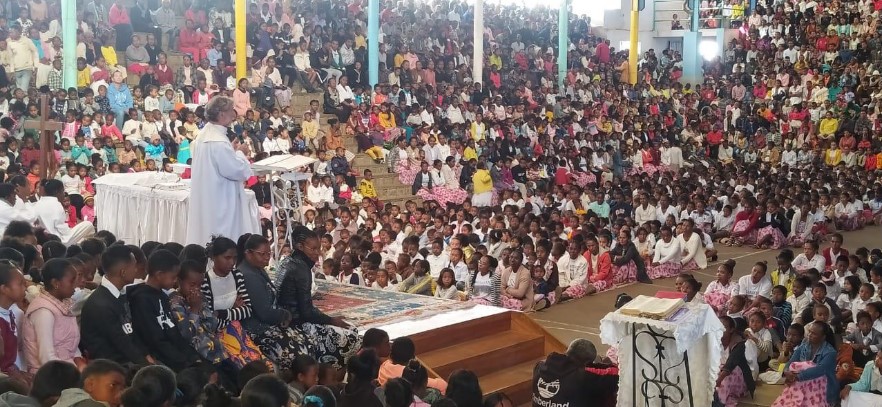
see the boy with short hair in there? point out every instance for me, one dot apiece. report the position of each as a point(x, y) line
point(152, 317)
point(102, 383)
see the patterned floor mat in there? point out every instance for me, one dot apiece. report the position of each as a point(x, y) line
point(369, 308)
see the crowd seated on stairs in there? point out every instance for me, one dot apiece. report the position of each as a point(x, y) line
point(523, 194)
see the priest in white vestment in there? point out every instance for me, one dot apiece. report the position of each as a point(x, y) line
point(8, 210)
point(218, 204)
point(53, 217)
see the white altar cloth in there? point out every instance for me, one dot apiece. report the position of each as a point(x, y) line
point(697, 331)
point(151, 206)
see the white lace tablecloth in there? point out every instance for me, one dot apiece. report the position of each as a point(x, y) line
point(150, 206)
point(695, 329)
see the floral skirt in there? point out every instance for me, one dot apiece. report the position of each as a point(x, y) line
point(444, 195)
point(576, 290)
point(732, 388)
point(240, 348)
point(664, 270)
point(407, 173)
point(331, 344)
point(797, 239)
point(512, 304)
point(582, 179)
point(718, 300)
point(282, 345)
point(741, 226)
point(778, 238)
point(625, 274)
point(690, 266)
point(849, 222)
point(804, 393)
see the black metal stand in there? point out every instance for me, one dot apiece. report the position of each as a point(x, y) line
point(661, 379)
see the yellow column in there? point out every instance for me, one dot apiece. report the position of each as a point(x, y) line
point(241, 41)
point(632, 51)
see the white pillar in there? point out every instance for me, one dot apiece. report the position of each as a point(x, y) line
point(478, 52)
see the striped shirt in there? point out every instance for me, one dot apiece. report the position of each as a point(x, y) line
point(232, 314)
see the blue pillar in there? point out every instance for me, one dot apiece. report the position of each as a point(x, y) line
point(694, 24)
point(691, 58)
point(563, 43)
point(373, 41)
point(69, 42)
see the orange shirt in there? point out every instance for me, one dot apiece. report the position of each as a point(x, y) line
point(389, 370)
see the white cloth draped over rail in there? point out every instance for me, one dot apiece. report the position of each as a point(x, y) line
point(697, 331)
point(150, 206)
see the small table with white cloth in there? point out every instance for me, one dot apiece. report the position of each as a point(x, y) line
point(667, 363)
point(151, 206)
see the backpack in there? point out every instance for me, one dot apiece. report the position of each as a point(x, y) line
point(622, 299)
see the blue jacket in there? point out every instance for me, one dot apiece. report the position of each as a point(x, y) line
point(865, 383)
point(825, 365)
point(120, 99)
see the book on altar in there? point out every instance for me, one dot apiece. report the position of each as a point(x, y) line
point(651, 307)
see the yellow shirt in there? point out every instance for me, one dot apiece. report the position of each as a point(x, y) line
point(833, 157)
point(828, 126)
point(309, 129)
point(496, 60)
point(109, 54)
point(84, 78)
point(360, 42)
point(469, 154)
point(483, 182)
point(879, 161)
point(366, 189)
point(387, 120)
point(399, 58)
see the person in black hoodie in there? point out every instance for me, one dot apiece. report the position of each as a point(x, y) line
point(564, 379)
point(152, 319)
point(106, 321)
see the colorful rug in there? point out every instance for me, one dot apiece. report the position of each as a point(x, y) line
point(369, 308)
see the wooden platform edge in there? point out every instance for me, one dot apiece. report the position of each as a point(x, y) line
point(523, 323)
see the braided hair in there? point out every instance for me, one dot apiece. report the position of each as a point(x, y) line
point(301, 234)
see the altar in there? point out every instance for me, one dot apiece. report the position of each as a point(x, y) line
point(151, 206)
point(666, 363)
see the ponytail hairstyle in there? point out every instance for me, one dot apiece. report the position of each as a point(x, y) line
point(54, 269)
point(240, 247)
point(152, 386)
point(415, 373)
point(220, 245)
point(266, 390)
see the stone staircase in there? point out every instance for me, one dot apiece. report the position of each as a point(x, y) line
point(389, 189)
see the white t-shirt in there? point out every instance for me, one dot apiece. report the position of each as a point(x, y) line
point(223, 290)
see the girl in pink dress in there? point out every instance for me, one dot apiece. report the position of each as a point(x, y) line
point(719, 292)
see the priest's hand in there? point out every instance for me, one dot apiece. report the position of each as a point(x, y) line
point(844, 393)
